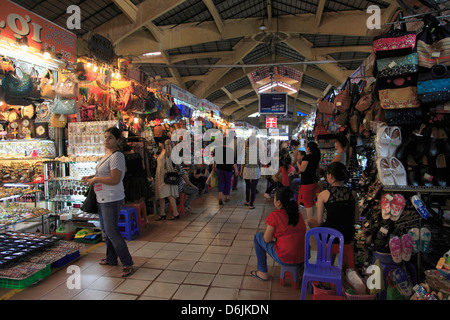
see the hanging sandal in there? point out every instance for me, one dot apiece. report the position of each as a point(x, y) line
point(104, 262)
point(127, 271)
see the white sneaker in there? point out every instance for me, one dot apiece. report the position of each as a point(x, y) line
point(267, 196)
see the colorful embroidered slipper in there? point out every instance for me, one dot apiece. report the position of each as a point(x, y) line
point(395, 245)
point(407, 247)
point(425, 240)
point(415, 236)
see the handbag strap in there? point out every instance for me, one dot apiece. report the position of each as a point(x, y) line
point(103, 161)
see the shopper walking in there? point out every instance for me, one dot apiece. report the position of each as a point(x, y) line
point(340, 203)
point(251, 173)
point(224, 170)
point(308, 171)
point(284, 237)
point(162, 189)
point(109, 190)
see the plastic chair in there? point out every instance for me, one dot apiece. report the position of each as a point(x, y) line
point(291, 273)
point(323, 269)
point(128, 223)
point(141, 210)
point(180, 207)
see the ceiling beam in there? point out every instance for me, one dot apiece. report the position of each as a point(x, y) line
point(174, 71)
point(304, 47)
point(327, 50)
point(241, 49)
point(128, 8)
point(351, 23)
point(215, 14)
point(319, 12)
point(120, 27)
point(155, 31)
point(269, 12)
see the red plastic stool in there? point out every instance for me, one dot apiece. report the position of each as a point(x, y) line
point(291, 273)
point(141, 211)
point(348, 258)
point(183, 198)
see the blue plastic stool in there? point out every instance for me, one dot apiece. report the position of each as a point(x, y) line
point(128, 223)
point(292, 273)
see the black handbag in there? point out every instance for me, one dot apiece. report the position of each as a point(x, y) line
point(90, 203)
point(172, 178)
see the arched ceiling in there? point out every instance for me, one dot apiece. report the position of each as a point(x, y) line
point(216, 50)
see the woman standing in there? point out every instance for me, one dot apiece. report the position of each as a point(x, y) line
point(340, 203)
point(284, 238)
point(308, 169)
point(110, 194)
point(162, 189)
point(251, 173)
point(224, 171)
point(340, 146)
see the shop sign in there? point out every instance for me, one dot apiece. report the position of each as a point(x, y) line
point(17, 22)
point(271, 122)
point(273, 103)
point(181, 94)
point(208, 106)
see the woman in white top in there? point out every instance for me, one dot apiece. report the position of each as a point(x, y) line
point(162, 189)
point(108, 187)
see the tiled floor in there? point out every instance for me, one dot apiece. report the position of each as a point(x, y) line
point(206, 255)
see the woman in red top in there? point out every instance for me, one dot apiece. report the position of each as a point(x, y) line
point(284, 238)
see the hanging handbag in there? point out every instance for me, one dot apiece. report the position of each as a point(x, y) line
point(58, 121)
point(64, 106)
point(326, 106)
point(398, 66)
point(47, 86)
point(17, 87)
point(398, 93)
point(67, 89)
point(433, 43)
point(90, 203)
point(434, 61)
point(343, 99)
point(364, 103)
point(6, 67)
point(395, 43)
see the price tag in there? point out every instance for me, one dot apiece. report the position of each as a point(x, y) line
point(436, 54)
point(392, 64)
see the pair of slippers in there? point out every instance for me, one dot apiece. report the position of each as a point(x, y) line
point(392, 206)
point(388, 140)
point(401, 249)
point(391, 172)
point(421, 239)
point(420, 207)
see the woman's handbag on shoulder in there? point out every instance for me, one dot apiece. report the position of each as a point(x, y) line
point(171, 178)
point(90, 203)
